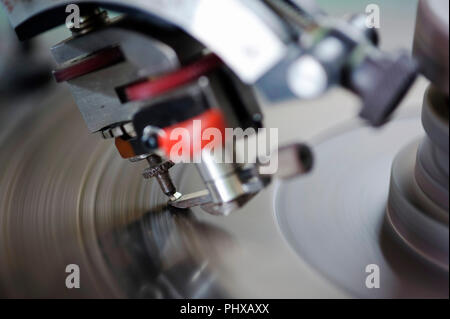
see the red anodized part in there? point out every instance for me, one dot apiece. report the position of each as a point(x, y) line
point(167, 82)
point(193, 140)
point(89, 64)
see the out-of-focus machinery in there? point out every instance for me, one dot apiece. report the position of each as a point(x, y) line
point(162, 65)
point(419, 197)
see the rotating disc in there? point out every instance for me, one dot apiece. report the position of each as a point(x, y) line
point(336, 218)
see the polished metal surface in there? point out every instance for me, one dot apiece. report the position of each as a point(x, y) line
point(221, 178)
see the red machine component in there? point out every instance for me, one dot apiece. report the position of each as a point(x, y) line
point(182, 139)
point(195, 137)
point(94, 62)
point(167, 82)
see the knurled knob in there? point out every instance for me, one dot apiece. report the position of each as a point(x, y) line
point(158, 169)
